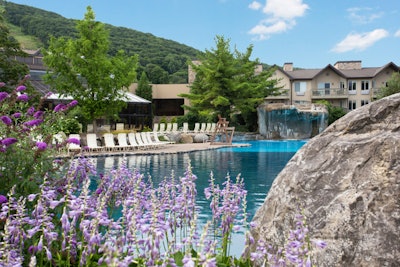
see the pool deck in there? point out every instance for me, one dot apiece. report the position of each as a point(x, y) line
point(166, 149)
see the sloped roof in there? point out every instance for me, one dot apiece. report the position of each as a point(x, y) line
point(45, 89)
point(309, 74)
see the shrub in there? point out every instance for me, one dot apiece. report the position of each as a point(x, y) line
point(27, 146)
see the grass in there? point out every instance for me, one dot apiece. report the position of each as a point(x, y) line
point(26, 41)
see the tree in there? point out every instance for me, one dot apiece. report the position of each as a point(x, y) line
point(393, 86)
point(11, 70)
point(227, 83)
point(82, 69)
point(144, 88)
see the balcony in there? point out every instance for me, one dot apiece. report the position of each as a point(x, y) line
point(330, 93)
point(282, 94)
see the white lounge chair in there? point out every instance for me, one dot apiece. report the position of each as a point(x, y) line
point(196, 127)
point(123, 142)
point(109, 143)
point(133, 142)
point(155, 127)
point(162, 128)
point(185, 127)
point(119, 126)
point(158, 141)
point(203, 127)
point(208, 128)
point(174, 127)
point(140, 141)
point(146, 138)
point(168, 128)
point(91, 140)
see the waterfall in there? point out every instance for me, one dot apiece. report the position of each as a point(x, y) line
point(288, 122)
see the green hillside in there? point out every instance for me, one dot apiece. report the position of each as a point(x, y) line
point(165, 61)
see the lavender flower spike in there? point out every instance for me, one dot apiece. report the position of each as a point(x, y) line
point(21, 88)
point(23, 98)
point(74, 141)
point(41, 145)
point(2, 84)
point(3, 95)
point(6, 120)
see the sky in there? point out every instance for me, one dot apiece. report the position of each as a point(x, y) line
point(307, 33)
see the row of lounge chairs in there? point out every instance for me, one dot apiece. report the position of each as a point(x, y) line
point(125, 142)
point(163, 128)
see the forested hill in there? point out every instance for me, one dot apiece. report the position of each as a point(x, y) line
point(165, 61)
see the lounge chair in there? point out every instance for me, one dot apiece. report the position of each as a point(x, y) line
point(133, 142)
point(146, 138)
point(185, 127)
point(168, 128)
point(123, 142)
point(91, 140)
point(196, 127)
point(208, 128)
point(213, 127)
point(119, 126)
point(155, 127)
point(174, 127)
point(162, 128)
point(158, 141)
point(140, 141)
point(109, 143)
point(203, 127)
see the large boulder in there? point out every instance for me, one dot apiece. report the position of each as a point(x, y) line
point(348, 181)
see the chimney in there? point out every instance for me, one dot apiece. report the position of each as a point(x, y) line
point(348, 65)
point(288, 66)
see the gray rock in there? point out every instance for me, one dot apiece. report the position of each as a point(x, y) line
point(348, 181)
point(200, 138)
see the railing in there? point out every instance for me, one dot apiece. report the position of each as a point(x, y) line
point(330, 93)
point(282, 94)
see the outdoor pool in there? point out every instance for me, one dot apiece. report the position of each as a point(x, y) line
point(258, 164)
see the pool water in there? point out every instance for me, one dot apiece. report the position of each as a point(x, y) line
point(258, 164)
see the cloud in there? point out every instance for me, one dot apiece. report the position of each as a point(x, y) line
point(280, 16)
point(397, 34)
point(363, 15)
point(356, 41)
point(255, 5)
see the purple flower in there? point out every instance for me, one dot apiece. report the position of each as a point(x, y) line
point(34, 122)
point(38, 114)
point(30, 111)
point(2, 84)
point(28, 76)
point(8, 141)
point(3, 199)
point(41, 145)
point(320, 243)
point(17, 115)
point(74, 141)
point(3, 95)
point(21, 88)
point(73, 103)
point(6, 120)
point(59, 107)
point(23, 98)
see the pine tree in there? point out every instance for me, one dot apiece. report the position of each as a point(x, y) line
point(144, 88)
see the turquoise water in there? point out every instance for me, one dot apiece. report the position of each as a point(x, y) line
point(258, 164)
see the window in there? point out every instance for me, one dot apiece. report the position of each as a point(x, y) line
point(364, 102)
point(300, 88)
point(168, 107)
point(352, 87)
point(341, 85)
point(352, 104)
point(364, 87)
